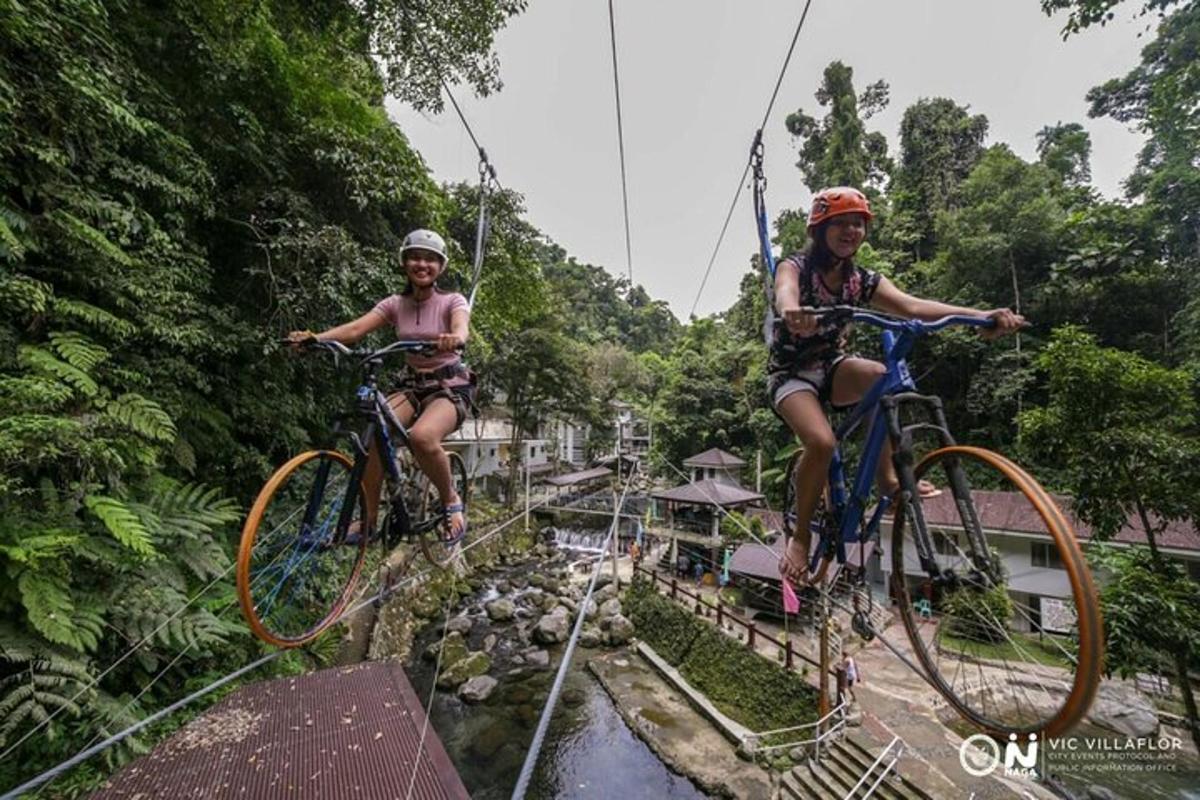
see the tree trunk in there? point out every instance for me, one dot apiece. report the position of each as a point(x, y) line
point(516, 457)
point(1189, 699)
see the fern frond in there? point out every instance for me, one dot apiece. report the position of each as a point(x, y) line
point(24, 295)
point(49, 607)
point(98, 318)
point(185, 455)
point(121, 521)
point(41, 680)
point(192, 510)
point(41, 361)
point(93, 238)
point(204, 557)
point(141, 415)
point(79, 351)
point(33, 392)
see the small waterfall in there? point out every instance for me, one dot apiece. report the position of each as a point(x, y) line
point(588, 540)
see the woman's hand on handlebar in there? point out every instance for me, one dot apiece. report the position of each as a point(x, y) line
point(298, 339)
point(799, 321)
point(1006, 321)
point(446, 342)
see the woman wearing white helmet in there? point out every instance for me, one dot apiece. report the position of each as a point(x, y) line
point(439, 389)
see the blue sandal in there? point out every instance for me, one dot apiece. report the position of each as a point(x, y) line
point(455, 508)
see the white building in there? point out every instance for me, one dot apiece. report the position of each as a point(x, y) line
point(485, 445)
point(1037, 581)
point(716, 464)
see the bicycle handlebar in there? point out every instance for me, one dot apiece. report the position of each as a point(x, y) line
point(402, 346)
point(896, 324)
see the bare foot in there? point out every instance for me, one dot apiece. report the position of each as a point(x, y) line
point(794, 564)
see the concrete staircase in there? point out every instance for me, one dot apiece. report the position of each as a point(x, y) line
point(842, 766)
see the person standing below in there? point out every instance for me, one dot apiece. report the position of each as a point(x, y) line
point(438, 389)
point(808, 365)
point(850, 669)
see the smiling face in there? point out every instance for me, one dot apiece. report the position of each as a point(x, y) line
point(845, 233)
point(422, 266)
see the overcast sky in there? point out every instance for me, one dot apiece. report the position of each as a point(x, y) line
point(695, 79)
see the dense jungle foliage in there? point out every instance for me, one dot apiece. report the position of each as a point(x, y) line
point(181, 183)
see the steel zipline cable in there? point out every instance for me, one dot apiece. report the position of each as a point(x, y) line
point(384, 593)
point(741, 184)
point(539, 735)
point(612, 30)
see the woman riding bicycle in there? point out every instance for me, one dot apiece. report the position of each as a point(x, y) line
point(808, 364)
point(438, 388)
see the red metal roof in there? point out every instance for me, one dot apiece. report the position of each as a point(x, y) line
point(708, 493)
point(756, 561)
point(1009, 511)
point(349, 732)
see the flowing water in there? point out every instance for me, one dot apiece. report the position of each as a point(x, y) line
point(588, 753)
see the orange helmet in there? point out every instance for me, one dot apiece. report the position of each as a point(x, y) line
point(838, 200)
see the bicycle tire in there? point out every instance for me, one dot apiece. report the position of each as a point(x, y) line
point(293, 579)
point(432, 525)
point(970, 636)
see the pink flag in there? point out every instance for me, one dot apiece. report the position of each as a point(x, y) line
point(791, 603)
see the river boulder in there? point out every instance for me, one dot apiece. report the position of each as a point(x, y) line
point(460, 624)
point(477, 689)
point(590, 636)
point(552, 628)
point(465, 669)
point(610, 607)
point(536, 658)
point(1120, 707)
point(501, 609)
point(453, 651)
point(620, 630)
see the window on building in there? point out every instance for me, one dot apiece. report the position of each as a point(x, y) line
point(945, 543)
point(1193, 568)
point(493, 451)
point(1045, 555)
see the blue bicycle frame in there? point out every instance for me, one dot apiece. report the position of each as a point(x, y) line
point(898, 337)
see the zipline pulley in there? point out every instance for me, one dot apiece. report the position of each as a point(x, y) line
point(487, 181)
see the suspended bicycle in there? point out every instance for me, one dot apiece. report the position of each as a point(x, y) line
point(306, 537)
point(977, 639)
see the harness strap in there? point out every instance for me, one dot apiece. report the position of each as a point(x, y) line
point(764, 237)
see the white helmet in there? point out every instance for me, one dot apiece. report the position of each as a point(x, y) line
point(422, 239)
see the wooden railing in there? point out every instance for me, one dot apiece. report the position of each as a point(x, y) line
point(705, 608)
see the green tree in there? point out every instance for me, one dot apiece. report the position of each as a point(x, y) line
point(940, 143)
point(1124, 430)
point(1151, 619)
point(838, 150)
point(1066, 148)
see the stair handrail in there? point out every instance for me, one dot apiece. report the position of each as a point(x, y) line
point(750, 740)
point(895, 742)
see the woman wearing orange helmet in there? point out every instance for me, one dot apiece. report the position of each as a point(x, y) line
point(808, 364)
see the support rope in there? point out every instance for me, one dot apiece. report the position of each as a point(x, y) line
point(539, 735)
point(761, 127)
point(612, 30)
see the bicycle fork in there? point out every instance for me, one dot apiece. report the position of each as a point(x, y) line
point(905, 461)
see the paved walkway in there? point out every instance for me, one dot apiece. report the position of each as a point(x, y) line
point(677, 733)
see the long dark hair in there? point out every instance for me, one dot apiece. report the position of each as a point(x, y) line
point(817, 252)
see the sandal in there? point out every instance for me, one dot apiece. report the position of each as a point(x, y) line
point(455, 508)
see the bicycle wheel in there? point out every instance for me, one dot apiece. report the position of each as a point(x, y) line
point(295, 570)
point(995, 542)
point(430, 523)
point(821, 526)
